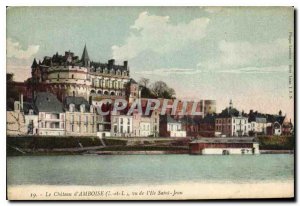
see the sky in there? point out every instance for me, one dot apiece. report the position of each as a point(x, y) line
point(219, 53)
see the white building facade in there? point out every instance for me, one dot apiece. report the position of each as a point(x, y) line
point(51, 123)
point(176, 130)
point(240, 126)
point(121, 126)
point(259, 126)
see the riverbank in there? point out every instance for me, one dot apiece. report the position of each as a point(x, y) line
point(35, 145)
point(172, 191)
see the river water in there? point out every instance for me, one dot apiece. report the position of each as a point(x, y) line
point(111, 170)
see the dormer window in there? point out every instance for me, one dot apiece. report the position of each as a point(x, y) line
point(17, 105)
point(30, 112)
point(71, 107)
point(82, 108)
point(92, 109)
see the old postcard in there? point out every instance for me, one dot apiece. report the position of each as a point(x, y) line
point(150, 103)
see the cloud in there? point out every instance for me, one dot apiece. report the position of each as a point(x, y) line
point(241, 53)
point(256, 70)
point(14, 49)
point(21, 72)
point(168, 71)
point(157, 34)
point(192, 71)
point(246, 54)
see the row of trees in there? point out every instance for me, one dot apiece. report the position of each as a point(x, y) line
point(158, 89)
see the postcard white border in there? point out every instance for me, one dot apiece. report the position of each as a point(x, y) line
point(5, 3)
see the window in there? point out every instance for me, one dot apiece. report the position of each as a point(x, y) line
point(128, 129)
point(72, 76)
point(121, 120)
point(30, 112)
point(71, 107)
point(57, 77)
point(72, 127)
point(128, 121)
point(115, 129)
point(82, 108)
point(86, 119)
point(92, 109)
point(121, 129)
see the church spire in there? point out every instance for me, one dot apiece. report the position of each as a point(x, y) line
point(85, 57)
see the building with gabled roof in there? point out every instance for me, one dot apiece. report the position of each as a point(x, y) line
point(275, 123)
point(258, 123)
point(81, 117)
point(51, 114)
point(169, 127)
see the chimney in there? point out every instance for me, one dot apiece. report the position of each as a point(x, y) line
point(111, 62)
point(21, 102)
point(125, 64)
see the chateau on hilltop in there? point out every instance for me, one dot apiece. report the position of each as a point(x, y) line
point(69, 75)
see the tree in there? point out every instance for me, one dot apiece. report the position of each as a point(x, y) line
point(161, 90)
point(144, 82)
point(147, 93)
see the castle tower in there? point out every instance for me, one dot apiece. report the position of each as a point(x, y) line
point(85, 57)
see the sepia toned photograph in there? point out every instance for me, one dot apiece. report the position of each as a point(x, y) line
point(150, 103)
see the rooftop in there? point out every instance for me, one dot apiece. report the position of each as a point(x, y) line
point(77, 101)
point(47, 102)
point(70, 59)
